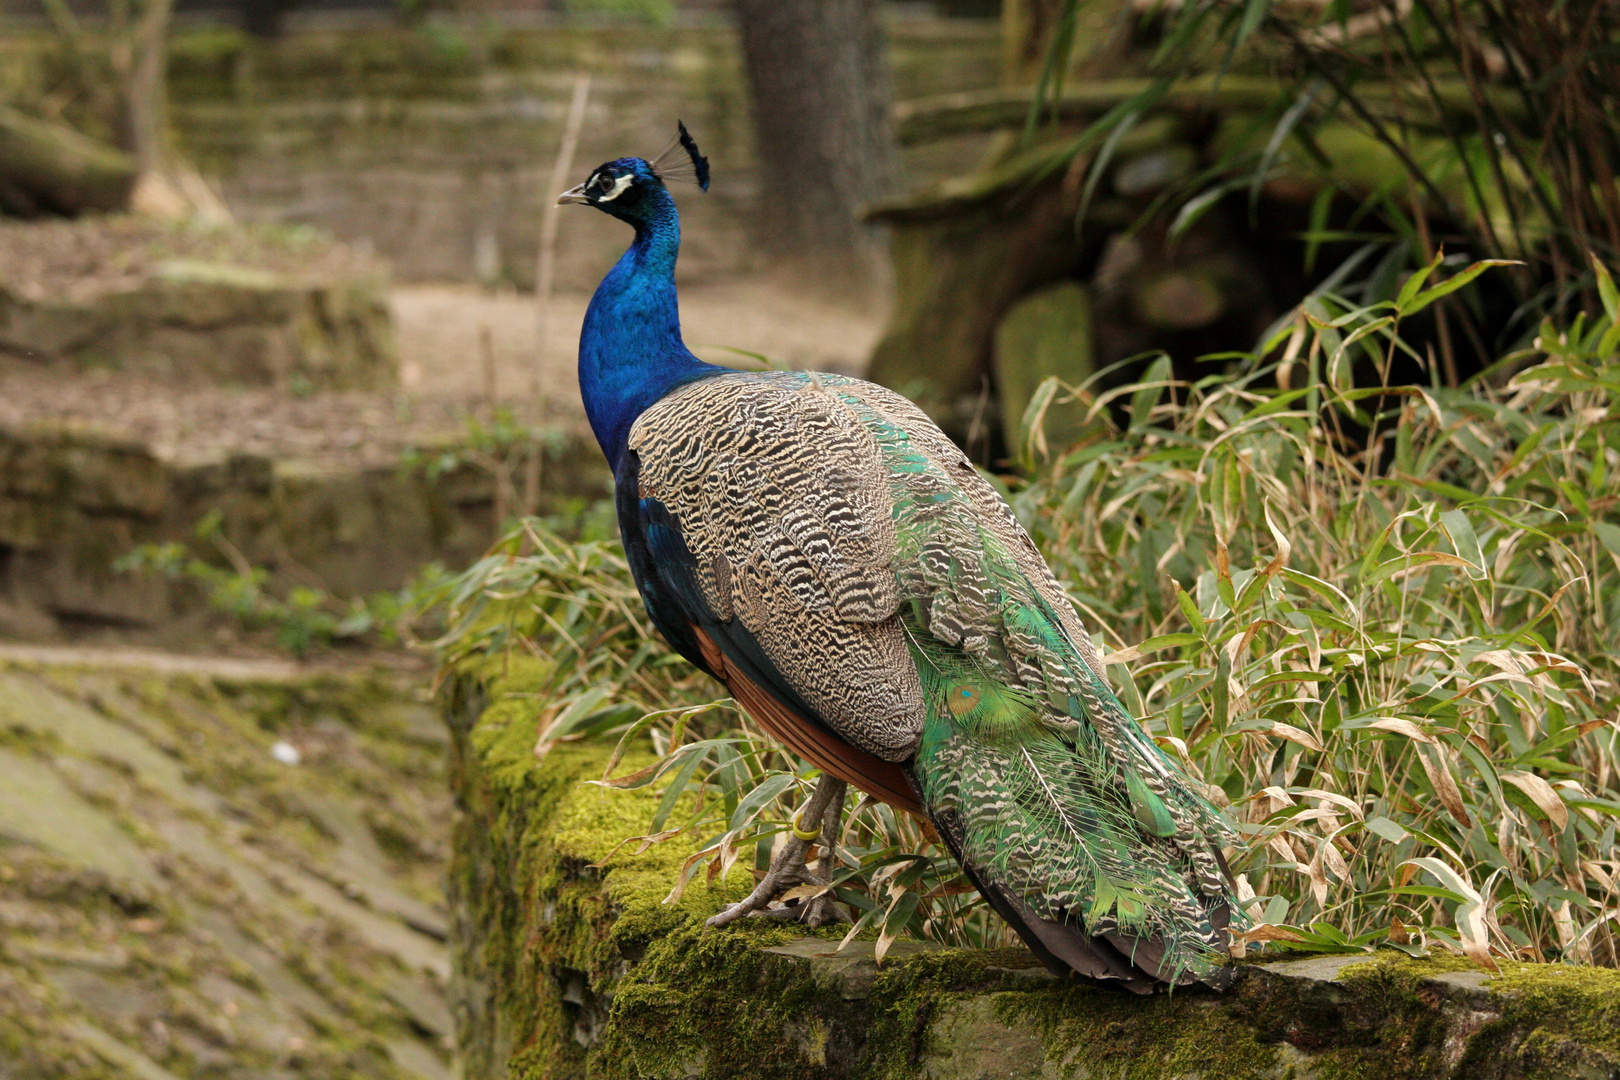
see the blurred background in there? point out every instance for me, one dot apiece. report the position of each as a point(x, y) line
point(282, 289)
point(282, 255)
point(287, 330)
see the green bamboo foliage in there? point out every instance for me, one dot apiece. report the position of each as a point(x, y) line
point(1383, 624)
point(1397, 660)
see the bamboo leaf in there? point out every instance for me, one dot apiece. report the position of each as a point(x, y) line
point(1446, 288)
point(1542, 794)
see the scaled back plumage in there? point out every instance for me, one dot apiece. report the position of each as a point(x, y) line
point(819, 544)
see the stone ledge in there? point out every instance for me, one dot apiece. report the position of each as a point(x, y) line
point(218, 325)
point(73, 501)
point(568, 964)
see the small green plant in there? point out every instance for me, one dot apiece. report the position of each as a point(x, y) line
point(1382, 621)
point(302, 617)
point(512, 454)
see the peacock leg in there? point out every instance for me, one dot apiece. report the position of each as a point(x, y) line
point(825, 808)
point(823, 909)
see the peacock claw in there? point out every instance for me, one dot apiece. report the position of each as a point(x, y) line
point(790, 872)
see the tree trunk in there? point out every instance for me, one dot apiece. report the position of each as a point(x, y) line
point(147, 95)
point(819, 84)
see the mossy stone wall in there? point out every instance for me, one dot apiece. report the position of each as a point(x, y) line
point(434, 142)
point(568, 964)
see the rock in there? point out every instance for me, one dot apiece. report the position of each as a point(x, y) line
point(568, 964)
point(1154, 170)
point(962, 256)
point(966, 250)
point(1178, 299)
point(165, 900)
point(849, 972)
point(73, 502)
point(1046, 335)
point(217, 323)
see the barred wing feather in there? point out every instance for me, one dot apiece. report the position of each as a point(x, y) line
point(841, 555)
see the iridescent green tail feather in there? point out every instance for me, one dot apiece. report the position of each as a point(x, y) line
point(1043, 813)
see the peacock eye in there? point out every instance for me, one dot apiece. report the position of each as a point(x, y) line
point(601, 183)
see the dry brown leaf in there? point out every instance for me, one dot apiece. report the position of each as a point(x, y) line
point(1564, 924)
point(804, 892)
point(1402, 727)
point(1319, 881)
point(1319, 813)
point(1426, 559)
point(1335, 798)
point(1170, 742)
point(679, 888)
point(1334, 862)
point(1296, 735)
point(543, 744)
point(1542, 794)
point(1505, 662)
point(1439, 774)
point(1285, 547)
point(1598, 873)
point(630, 780)
point(1475, 936)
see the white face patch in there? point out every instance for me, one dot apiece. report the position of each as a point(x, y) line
point(619, 187)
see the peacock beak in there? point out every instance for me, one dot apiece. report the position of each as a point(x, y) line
point(573, 195)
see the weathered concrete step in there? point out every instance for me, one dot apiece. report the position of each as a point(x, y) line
point(569, 964)
point(156, 662)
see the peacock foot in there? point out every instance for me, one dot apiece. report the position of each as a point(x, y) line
point(791, 891)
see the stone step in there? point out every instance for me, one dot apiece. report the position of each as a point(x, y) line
point(353, 494)
point(181, 897)
point(190, 305)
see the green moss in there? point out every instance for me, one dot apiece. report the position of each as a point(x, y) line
point(1129, 1038)
point(570, 907)
point(1556, 1007)
point(585, 972)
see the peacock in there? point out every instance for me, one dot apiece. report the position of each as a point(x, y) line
point(819, 546)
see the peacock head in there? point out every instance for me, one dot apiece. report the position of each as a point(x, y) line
point(632, 189)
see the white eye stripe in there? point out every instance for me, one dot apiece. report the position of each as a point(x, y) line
point(619, 187)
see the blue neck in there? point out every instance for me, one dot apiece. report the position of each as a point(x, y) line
point(630, 349)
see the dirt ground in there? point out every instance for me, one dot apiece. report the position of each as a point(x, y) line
point(447, 371)
point(445, 378)
point(440, 328)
